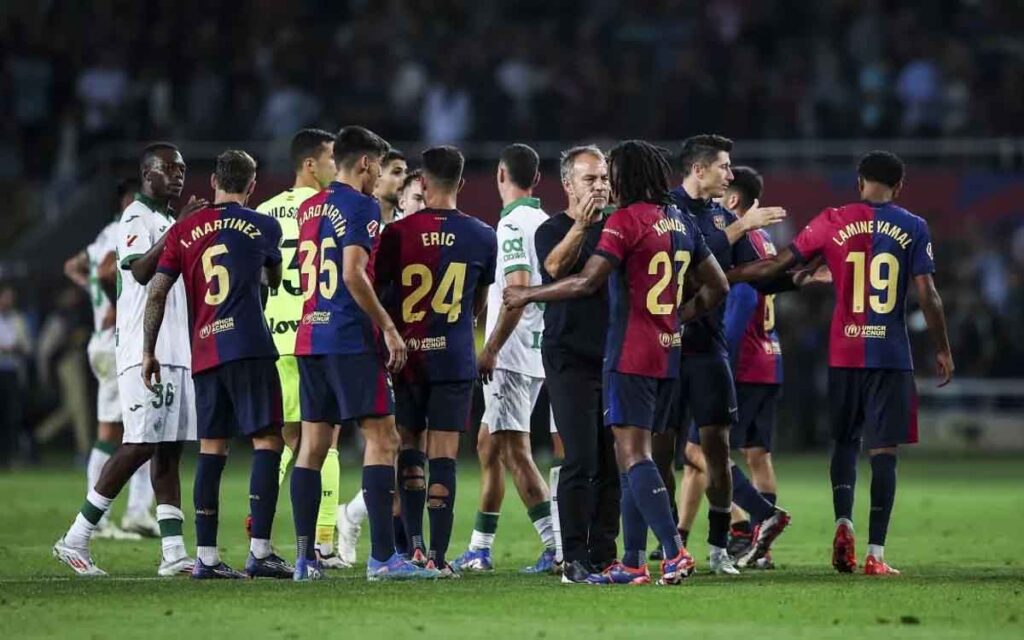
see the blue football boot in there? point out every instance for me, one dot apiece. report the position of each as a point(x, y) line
point(273, 566)
point(218, 571)
point(306, 570)
point(398, 568)
point(545, 563)
point(478, 560)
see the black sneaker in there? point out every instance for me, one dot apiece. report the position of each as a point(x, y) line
point(273, 566)
point(740, 538)
point(574, 572)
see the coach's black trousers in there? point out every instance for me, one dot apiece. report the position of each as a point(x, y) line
point(588, 487)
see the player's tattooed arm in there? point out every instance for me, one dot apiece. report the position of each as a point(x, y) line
point(353, 274)
point(934, 315)
point(713, 287)
point(76, 268)
point(152, 319)
point(764, 269)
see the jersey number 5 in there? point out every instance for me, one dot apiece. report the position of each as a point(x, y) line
point(447, 300)
point(328, 268)
point(215, 273)
point(887, 281)
point(661, 266)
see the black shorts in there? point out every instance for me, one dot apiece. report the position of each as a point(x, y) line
point(878, 405)
point(704, 392)
point(337, 388)
point(636, 401)
point(238, 398)
point(438, 406)
point(755, 425)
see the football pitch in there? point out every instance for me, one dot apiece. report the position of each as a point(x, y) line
point(955, 536)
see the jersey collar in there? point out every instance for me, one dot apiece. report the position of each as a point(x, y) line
point(525, 201)
point(152, 204)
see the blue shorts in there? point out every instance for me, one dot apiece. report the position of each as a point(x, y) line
point(637, 401)
point(238, 398)
point(755, 425)
point(438, 406)
point(878, 405)
point(335, 388)
point(705, 392)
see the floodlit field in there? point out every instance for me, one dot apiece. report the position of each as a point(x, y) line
point(955, 535)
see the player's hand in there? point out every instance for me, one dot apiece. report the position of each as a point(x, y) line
point(515, 297)
point(485, 364)
point(397, 351)
point(194, 204)
point(758, 217)
point(150, 371)
point(944, 365)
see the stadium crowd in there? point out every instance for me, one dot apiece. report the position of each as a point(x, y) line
point(417, 70)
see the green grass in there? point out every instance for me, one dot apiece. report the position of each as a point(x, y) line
point(955, 536)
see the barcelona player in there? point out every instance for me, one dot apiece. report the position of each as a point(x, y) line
point(647, 249)
point(435, 267)
point(223, 253)
point(343, 374)
point(875, 250)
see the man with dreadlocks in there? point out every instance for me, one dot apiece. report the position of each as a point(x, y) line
point(646, 250)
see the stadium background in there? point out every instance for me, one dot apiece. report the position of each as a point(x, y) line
point(804, 89)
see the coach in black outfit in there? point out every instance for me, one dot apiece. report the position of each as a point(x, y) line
point(573, 349)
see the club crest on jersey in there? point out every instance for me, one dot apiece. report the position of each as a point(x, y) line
point(719, 221)
point(131, 240)
point(372, 227)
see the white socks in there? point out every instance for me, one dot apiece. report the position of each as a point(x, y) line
point(81, 529)
point(876, 550)
point(480, 540)
point(556, 524)
point(172, 542)
point(355, 510)
point(210, 556)
point(259, 548)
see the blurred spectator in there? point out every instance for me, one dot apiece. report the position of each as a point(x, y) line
point(15, 349)
point(61, 363)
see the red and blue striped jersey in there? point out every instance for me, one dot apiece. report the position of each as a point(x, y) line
point(873, 251)
point(754, 350)
point(332, 321)
point(220, 252)
point(651, 247)
point(429, 267)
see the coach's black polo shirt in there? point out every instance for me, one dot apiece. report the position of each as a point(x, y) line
point(577, 326)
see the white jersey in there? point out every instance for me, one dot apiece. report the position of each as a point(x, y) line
point(140, 228)
point(104, 243)
point(516, 252)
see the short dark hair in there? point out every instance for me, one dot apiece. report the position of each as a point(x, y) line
point(443, 166)
point(748, 183)
point(702, 149)
point(235, 170)
point(308, 143)
point(639, 173)
point(150, 151)
point(391, 156)
point(884, 167)
point(353, 142)
point(521, 162)
point(415, 174)
point(126, 186)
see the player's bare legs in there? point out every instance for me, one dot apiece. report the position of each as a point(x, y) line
point(714, 442)
point(762, 471)
point(691, 489)
point(492, 472)
point(108, 439)
point(645, 504)
point(165, 475)
point(517, 457)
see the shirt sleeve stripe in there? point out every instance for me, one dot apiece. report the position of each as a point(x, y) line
point(518, 267)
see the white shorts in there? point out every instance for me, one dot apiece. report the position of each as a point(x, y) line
point(167, 414)
point(104, 366)
point(509, 399)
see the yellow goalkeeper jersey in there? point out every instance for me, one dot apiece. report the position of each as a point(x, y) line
point(284, 306)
